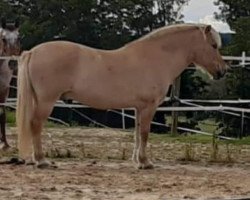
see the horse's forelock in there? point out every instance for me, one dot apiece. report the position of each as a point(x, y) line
point(216, 37)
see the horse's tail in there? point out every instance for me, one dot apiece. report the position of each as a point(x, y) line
point(26, 100)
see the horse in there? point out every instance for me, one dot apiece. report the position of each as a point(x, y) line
point(9, 46)
point(137, 75)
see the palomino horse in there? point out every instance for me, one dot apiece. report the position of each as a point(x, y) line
point(9, 46)
point(137, 75)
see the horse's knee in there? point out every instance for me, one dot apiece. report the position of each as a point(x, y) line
point(36, 124)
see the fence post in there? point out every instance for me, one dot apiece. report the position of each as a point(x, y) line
point(242, 125)
point(70, 112)
point(243, 61)
point(123, 120)
point(175, 93)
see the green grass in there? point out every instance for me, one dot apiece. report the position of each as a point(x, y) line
point(206, 126)
point(11, 118)
point(243, 141)
point(11, 121)
point(195, 138)
point(50, 124)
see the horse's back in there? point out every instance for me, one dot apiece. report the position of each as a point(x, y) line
point(62, 54)
point(55, 49)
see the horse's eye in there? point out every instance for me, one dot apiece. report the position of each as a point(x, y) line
point(214, 46)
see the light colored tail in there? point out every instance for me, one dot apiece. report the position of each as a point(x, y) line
point(26, 99)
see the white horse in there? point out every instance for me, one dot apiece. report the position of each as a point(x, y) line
point(9, 46)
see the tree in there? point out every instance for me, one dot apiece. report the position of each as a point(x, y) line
point(236, 14)
point(97, 23)
point(106, 24)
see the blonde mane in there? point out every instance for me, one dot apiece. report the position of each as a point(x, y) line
point(179, 28)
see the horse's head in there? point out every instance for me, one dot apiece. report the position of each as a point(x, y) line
point(208, 55)
point(10, 38)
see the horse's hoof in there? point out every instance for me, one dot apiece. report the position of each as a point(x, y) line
point(4, 146)
point(46, 165)
point(30, 162)
point(146, 166)
point(13, 161)
point(134, 160)
point(18, 161)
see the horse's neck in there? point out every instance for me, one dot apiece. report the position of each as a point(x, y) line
point(170, 56)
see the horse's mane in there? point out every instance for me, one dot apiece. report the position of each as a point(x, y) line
point(172, 29)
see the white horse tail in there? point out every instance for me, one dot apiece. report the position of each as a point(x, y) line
point(26, 100)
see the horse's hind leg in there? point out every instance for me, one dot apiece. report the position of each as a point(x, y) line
point(3, 140)
point(40, 114)
point(4, 144)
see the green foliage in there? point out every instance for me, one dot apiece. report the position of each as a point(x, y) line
point(193, 85)
point(233, 10)
point(98, 23)
point(236, 14)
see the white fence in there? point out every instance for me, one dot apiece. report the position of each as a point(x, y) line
point(243, 60)
point(192, 104)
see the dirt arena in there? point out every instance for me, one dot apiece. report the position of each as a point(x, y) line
point(95, 164)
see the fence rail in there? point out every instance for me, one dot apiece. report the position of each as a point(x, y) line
point(193, 104)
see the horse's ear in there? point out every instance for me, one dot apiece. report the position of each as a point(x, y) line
point(3, 23)
point(208, 29)
point(17, 23)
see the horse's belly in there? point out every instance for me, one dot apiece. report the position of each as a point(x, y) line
point(114, 95)
point(104, 99)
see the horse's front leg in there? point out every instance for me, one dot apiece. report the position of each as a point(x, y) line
point(137, 136)
point(3, 140)
point(146, 116)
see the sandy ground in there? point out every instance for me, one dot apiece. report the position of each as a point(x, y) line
point(95, 164)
